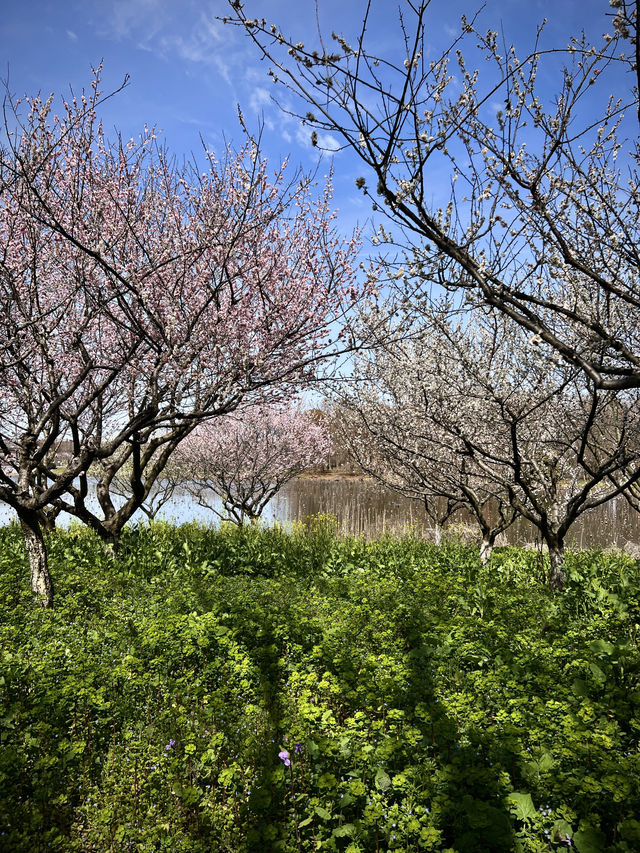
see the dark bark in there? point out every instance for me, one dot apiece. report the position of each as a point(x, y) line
point(490, 530)
point(41, 583)
point(48, 520)
point(556, 564)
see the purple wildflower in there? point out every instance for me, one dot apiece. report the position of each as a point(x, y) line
point(284, 755)
point(298, 748)
point(170, 745)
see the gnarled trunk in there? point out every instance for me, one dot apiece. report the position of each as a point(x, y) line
point(48, 520)
point(486, 549)
point(110, 541)
point(556, 563)
point(41, 583)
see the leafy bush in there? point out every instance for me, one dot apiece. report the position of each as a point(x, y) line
point(252, 690)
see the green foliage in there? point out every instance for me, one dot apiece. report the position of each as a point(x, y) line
point(251, 689)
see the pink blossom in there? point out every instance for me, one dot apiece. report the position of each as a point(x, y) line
point(246, 457)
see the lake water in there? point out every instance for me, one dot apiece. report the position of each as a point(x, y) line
point(363, 508)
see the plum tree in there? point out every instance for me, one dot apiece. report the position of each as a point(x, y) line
point(140, 297)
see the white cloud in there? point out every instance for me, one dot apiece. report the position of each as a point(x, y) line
point(167, 29)
point(326, 142)
point(259, 99)
point(200, 44)
point(213, 27)
point(140, 19)
point(261, 96)
point(223, 69)
point(72, 35)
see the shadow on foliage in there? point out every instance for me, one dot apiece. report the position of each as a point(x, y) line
point(468, 794)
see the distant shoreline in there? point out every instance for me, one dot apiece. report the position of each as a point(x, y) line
point(332, 475)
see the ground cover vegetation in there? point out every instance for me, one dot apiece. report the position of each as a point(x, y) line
point(248, 689)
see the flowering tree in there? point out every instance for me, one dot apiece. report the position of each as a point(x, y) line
point(389, 423)
point(393, 416)
point(138, 298)
point(245, 458)
point(542, 222)
point(369, 426)
point(473, 407)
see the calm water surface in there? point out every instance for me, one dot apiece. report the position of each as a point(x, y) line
point(363, 508)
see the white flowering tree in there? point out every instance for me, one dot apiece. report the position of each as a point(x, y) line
point(387, 417)
point(469, 407)
point(245, 458)
point(393, 416)
point(542, 222)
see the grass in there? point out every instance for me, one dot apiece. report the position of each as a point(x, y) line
point(256, 690)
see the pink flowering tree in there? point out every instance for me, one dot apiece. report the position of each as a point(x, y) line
point(140, 297)
point(244, 459)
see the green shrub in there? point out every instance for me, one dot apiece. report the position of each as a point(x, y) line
point(255, 689)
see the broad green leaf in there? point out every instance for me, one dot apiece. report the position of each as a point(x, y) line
point(344, 831)
point(561, 830)
point(589, 841)
point(545, 762)
point(382, 780)
point(601, 647)
point(523, 807)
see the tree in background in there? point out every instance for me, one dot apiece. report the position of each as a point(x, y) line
point(542, 221)
point(140, 297)
point(245, 458)
point(471, 407)
point(392, 415)
point(388, 418)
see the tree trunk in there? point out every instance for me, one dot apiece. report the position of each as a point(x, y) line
point(41, 584)
point(556, 565)
point(110, 543)
point(48, 521)
point(486, 549)
point(437, 534)
point(108, 530)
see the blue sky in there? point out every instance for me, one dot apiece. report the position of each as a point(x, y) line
point(188, 70)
